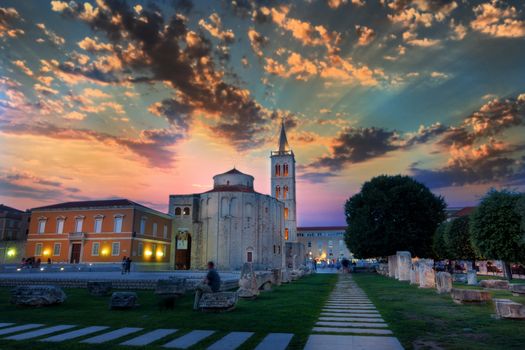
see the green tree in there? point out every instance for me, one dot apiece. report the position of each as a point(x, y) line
point(457, 240)
point(439, 247)
point(496, 230)
point(392, 213)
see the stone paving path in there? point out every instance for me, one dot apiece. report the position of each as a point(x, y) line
point(166, 338)
point(349, 320)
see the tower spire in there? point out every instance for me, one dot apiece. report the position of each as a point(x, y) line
point(283, 141)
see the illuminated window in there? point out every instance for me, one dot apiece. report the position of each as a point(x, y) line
point(115, 249)
point(42, 225)
point(38, 249)
point(277, 191)
point(178, 211)
point(56, 249)
point(277, 170)
point(286, 234)
point(285, 213)
point(285, 170)
point(60, 225)
point(285, 192)
point(95, 249)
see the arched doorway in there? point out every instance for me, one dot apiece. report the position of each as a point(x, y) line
point(183, 251)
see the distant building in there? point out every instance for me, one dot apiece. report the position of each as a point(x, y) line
point(13, 232)
point(230, 225)
point(100, 231)
point(324, 243)
point(457, 212)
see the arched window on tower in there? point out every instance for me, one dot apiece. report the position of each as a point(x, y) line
point(285, 213)
point(178, 211)
point(277, 170)
point(285, 169)
point(286, 234)
point(277, 191)
point(285, 192)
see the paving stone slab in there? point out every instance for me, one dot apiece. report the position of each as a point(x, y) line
point(275, 341)
point(6, 324)
point(349, 314)
point(19, 328)
point(231, 341)
point(351, 330)
point(349, 307)
point(111, 335)
point(348, 311)
point(352, 324)
point(354, 342)
point(189, 339)
point(40, 332)
point(351, 319)
point(149, 337)
point(75, 334)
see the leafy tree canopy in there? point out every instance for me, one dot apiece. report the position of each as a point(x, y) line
point(457, 239)
point(439, 247)
point(392, 213)
point(496, 226)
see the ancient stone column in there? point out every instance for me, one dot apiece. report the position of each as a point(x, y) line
point(392, 266)
point(248, 288)
point(427, 275)
point(404, 262)
point(414, 273)
point(443, 282)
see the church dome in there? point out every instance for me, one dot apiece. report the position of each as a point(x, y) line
point(233, 180)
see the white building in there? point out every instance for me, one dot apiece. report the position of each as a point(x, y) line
point(324, 243)
point(232, 224)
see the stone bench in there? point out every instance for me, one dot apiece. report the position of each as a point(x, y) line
point(37, 295)
point(506, 308)
point(470, 296)
point(517, 289)
point(218, 302)
point(123, 300)
point(99, 288)
point(495, 284)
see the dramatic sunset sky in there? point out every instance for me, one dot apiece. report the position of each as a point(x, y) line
point(143, 99)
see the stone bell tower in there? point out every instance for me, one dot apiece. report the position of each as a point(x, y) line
point(283, 184)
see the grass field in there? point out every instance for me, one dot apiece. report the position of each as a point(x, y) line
point(291, 308)
point(422, 319)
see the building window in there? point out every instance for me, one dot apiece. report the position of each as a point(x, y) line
point(60, 225)
point(286, 234)
point(249, 257)
point(98, 224)
point(140, 248)
point(164, 249)
point(285, 192)
point(309, 244)
point(95, 248)
point(277, 170)
point(79, 221)
point(154, 249)
point(154, 229)
point(42, 225)
point(142, 225)
point(277, 191)
point(178, 211)
point(285, 213)
point(115, 249)
point(165, 232)
point(278, 249)
point(285, 170)
point(56, 249)
point(38, 249)
point(117, 224)
point(186, 211)
point(274, 249)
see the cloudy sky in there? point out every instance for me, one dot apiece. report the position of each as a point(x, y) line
point(143, 99)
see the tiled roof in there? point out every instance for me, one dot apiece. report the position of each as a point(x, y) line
point(95, 204)
point(464, 212)
point(10, 209)
point(231, 188)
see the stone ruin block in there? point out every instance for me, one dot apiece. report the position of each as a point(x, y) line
point(472, 278)
point(443, 282)
point(99, 288)
point(404, 262)
point(123, 300)
point(248, 288)
point(285, 276)
point(382, 269)
point(427, 275)
point(392, 266)
point(506, 308)
point(414, 273)
point(495, 284)
point(517, 289)
point(470, 296)
point(173, 287)
point(460, 278)
point(218, 302)
point(277, 277)
point(264, 280)
point(37, 295)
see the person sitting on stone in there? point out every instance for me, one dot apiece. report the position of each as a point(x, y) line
point(210, 284)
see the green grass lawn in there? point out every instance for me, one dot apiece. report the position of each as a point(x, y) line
point(422, 319)
point(290, 308)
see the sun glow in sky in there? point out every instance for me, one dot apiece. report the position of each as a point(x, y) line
point(142, 99)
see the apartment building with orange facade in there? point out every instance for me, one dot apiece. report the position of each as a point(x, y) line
point(100, 231)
